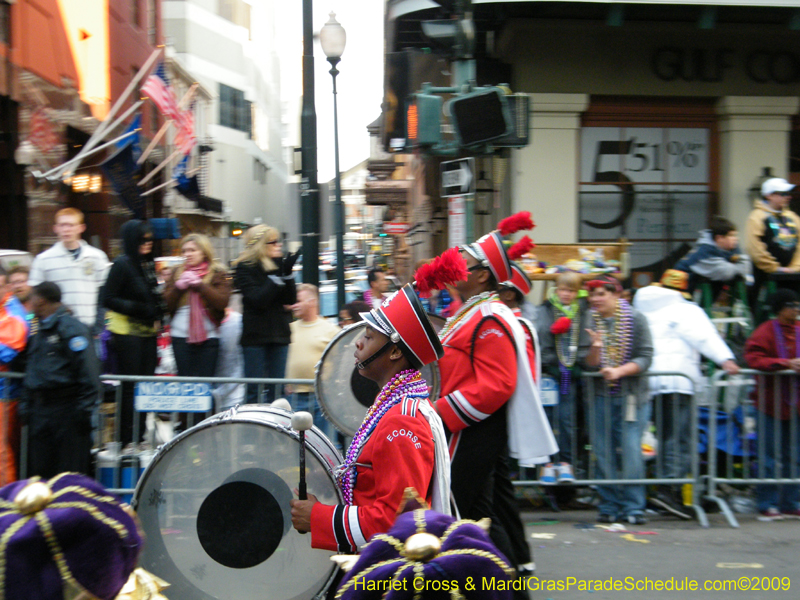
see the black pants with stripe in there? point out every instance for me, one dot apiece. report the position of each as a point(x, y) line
point(478, 469)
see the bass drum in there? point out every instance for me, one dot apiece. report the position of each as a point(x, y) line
point(342, 392)
point(214, 507)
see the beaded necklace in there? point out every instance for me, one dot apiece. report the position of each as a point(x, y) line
point(408, 383)
point(567, 351)
point(617, 344)
point(567, 346)
point(452, 323)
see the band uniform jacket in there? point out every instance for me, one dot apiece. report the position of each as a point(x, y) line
point(398, 454)
point(478, 370)
point(486, 364)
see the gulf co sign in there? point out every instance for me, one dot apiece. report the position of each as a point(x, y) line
point(171, 396)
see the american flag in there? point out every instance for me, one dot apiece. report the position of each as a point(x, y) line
point(41, 133)
point(185, 138)
point(158, 88)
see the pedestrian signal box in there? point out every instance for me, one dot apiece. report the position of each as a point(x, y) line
point(423, 120)
point(480, 116)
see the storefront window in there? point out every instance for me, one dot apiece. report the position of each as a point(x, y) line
point(649, 185)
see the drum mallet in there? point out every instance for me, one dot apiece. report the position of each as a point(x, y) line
point(283, 404)
point(302, 422)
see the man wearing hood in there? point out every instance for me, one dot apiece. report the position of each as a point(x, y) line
point(716, 257)
point(135, 310)
point(681, 332)
point(772, 233)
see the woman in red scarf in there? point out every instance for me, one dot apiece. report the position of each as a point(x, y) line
point(196, 297)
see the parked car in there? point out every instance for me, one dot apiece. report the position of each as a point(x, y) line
point(13, 258)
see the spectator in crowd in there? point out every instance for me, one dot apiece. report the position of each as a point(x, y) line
point(230, 362)
point(716, 257)
point(62, 388)
point(77, 268)
point(771, 235)
point(311, 334)
point(774, 347)
point(618, 405)
point(69, 539)
point(13, 338)
point(681, 333)
point(135, 312)
point(264, 278)
point(561, 322)
point(18, 280)
point(351, 312)
point(376, 279)
point(196, 297)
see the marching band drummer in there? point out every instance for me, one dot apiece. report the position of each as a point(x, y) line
point(401, 442)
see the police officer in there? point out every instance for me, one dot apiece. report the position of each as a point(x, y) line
point(62, 388)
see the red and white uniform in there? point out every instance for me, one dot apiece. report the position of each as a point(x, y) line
point(527, 328)
point(398, 454)
point(487, 363)
point(478, 370)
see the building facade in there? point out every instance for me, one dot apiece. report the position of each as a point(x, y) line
point(646, 118)
point(228, 47)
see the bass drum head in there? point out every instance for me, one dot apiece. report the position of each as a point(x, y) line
point(214, 507)
point(342, 392)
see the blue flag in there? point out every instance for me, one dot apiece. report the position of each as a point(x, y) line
point(133, 140)
point(180, 169)
point(121, 170)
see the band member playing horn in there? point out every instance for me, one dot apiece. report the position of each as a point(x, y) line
point(401, 442)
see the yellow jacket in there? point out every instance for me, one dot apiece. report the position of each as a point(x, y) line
point(754, 237)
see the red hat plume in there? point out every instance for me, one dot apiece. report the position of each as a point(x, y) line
point(517, 222)
point(522, 247)
point(446, 269)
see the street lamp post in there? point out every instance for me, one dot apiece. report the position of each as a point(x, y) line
point(333, 37)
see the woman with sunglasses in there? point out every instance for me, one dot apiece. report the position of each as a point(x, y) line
point(135, 311)
point(771, 236)
point(264, 278)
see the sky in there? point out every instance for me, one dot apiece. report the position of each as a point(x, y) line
point(359, 84)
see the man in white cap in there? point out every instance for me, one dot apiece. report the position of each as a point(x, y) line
point(771, 235)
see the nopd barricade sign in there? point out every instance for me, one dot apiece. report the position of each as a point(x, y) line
point(172, 396)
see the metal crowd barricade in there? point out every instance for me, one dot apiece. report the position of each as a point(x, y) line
point(747, 432)
point(677, 419)
point(117, 471)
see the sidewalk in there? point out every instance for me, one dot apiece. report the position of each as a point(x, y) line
point(569, 545)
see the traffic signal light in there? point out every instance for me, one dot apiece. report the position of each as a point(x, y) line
point(423, 120)
point(480, 116)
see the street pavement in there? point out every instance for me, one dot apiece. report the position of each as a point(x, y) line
point(568, 544)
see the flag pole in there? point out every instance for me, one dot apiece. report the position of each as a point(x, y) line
point(91, 152)
point(84, 151)
point(155, 141)
point(103, 127)
point(163, 164)
point(158, 187)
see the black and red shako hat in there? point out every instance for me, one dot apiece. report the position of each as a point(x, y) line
point(489, 251)
point(519, 280)
point(402, 318)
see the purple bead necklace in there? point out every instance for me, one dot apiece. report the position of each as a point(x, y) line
point(408, 383)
